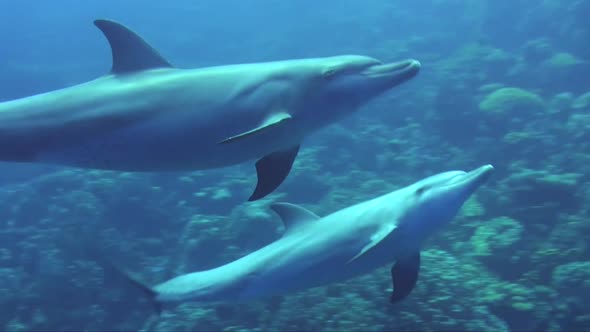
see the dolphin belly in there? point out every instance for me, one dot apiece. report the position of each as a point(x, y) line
point(317, 256)
point(154, 121)
point(160, 145)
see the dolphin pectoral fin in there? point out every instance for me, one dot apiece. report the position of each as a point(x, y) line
point(272, 170)
point(274, 121)
point(375, 239)
point(130, 52)
point(404, 274)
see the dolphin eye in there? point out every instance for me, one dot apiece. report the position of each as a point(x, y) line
point(421, 190)
point(329, 72)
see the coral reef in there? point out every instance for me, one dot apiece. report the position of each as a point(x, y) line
point(510, 89)
point(512, 102)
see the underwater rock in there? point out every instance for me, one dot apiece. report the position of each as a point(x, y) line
point(582, 101)
point(520, 137)
point(202, 235)
point(522, 307)
point(254, 225)
point(10, 283)
point(495, 243)
point(573, 279)
point(493, 65)
point(536, 50)
point(443, 299)
point(215, 199)
point(490, 87)
point(563, 244)
point(562, 61)
point(79, 205)
point(537, 195)
point(532, 143)
point(561, 102)
point(509, 109)
point(16, 324)
point(563, 69)
point(497, 59)
point(472, 208)
point(496, 237)
point(578, 127)
point(444, 279)
point(512, 102)
point(484, 320)
point(191, 317)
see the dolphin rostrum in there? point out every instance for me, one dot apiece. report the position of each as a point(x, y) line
point(146, 115)
point(316, 251)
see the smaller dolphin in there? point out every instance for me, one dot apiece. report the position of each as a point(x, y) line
point(146, 115)
point(317, 251)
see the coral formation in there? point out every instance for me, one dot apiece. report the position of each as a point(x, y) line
point(512, 102)
point(511, 90)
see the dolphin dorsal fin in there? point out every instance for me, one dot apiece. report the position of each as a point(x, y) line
point(130, 52)
point(293, 215)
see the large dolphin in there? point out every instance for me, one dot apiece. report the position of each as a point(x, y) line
point(316, 251)
point(146, 115)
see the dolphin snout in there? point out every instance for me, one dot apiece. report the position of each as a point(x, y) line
point(483, 173)
point(405, 69)
point(475, 178)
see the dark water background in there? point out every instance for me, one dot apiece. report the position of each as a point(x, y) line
point(503, 82)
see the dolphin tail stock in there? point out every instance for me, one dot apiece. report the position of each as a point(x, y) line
point(112, 269)
point(149, 293)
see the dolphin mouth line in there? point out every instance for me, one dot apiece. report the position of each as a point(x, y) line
point(476, 176)
point(410, 66)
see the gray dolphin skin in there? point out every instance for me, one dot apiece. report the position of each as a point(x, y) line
point(146, 115)
point(353, 241)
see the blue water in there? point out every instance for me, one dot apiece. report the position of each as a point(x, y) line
point(516, 258)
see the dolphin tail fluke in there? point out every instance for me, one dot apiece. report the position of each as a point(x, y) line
point(149, 293)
